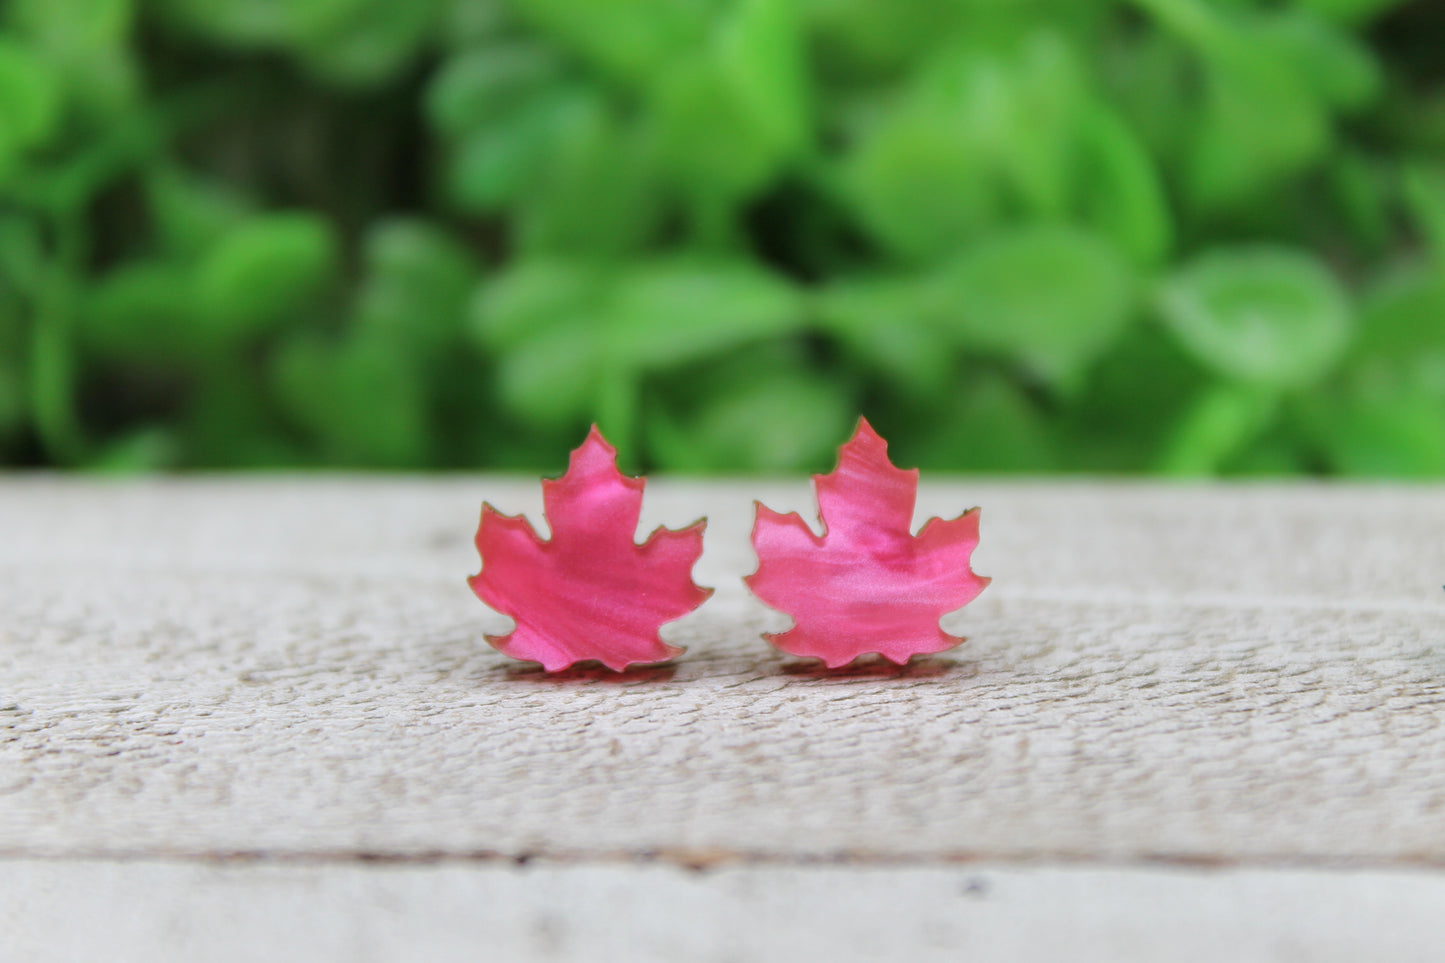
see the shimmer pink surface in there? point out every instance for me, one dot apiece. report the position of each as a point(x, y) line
point(867, 584)
point(589, 592)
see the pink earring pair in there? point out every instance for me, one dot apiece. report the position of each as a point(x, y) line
point(590, 592)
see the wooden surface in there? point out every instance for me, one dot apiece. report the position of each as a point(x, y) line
point(143, 912)
point(1245, 678)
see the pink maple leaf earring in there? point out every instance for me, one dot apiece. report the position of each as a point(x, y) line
point(590, 592)
point(867, 584)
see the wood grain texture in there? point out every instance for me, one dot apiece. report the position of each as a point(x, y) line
point(62, 911)
point(295, 667)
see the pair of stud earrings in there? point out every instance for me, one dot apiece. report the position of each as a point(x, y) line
point(867, 584)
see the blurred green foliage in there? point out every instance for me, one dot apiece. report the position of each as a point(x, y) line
point(1184, 236)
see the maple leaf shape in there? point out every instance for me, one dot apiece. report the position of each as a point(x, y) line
point(590, 592)
point(867, 584)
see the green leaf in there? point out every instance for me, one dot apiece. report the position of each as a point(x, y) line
point(29, 96)
point(1349, 11)
point(1037, 139)
point(301, 379)
point(492, 165)
point(972, 136)
point(985, 423)
point(597, 195)
point(726, 117)
point(629, 40)
point(87, 44)
point(890, 325)
point(532, 297)
point(1400, 325)
point(1364, 192)
point(665, 314)
point(14, 391)
point(307, 22)
point(1425, 193)
point(1219, 425)
point(1269, 80)
point(143, 313)
point(373, 45)
point(706, 134)
point(1342, 69)
point(1121, 193)
point(1134, 394)
point(567, 331)
point(74, 24)
point(364, 400)
point(142, 450)
point(191, 212)
point(1386, 415)
point(762, 52)
point(478, 87)
point(231, 423)
point(1262, 315)
point(1050, 296)
point(14, 409)
point(1155, 84)
point(919, 186)
point(495, 163)
point(1383, 431)
point(258, 275)
point(553, 378)
point(380, 411)
point(872, 39)
point(239, 22)
point(1261, 122)
point(22, 255)
point(722, 228)
point(1276, 453)
point(785, 419)
point(418, 285)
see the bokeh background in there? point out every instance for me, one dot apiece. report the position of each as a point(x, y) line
point(1170, 236)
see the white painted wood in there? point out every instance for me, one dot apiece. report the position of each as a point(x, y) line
point(294, 666)
point(65, 911)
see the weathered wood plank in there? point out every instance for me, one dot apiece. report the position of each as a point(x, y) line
point(295, 666)
point(63, 911)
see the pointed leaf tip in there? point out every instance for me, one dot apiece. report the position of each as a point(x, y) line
point(866, 491)
point(866, 585)
point(594, 455)
point(865, 432)
point(870, 449)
